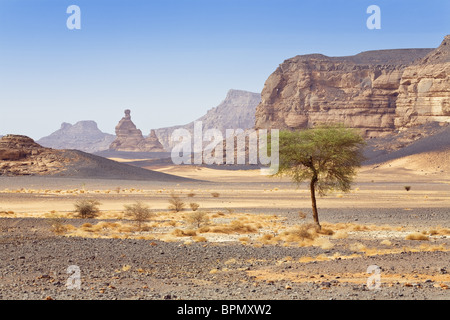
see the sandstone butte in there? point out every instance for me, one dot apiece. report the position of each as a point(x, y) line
point(130, 139)
point(378, 92)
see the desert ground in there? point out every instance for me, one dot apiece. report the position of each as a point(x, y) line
point(254, 241)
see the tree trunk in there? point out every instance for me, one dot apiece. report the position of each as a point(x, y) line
point(312, 187)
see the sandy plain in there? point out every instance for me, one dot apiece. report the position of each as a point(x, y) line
point(248, 249)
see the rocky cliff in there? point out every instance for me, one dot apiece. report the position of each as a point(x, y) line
point(237, 111)
point(375, 91)
point(83, 135)
point(130, 139)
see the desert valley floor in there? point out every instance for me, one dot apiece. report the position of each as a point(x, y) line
point(255, 245)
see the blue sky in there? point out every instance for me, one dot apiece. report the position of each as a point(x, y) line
point(170, 61)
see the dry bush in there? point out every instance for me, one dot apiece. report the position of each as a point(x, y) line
point(417, 236)
point(176, 203)
point(215, 194)
point(191, 195)
point(194, 206)
point(386, 242)
point(87, 209)
point(56, 223)
point(139, 212)
point(197, 218)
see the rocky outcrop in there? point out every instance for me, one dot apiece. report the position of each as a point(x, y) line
point(83, 135)
point(237, 111)
point(424, 91)
point(375, 91)
point(20, 155)
point(130, 139)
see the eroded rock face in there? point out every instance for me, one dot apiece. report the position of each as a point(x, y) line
point(376, 91)
point(130, 139)
point(20, 155)
point(424, 91)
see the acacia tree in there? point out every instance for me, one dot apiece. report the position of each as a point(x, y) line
point(326, 156)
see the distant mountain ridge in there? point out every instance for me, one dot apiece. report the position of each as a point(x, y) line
point(83, 135)
point(237, 111)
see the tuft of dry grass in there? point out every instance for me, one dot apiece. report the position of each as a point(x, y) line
point(439, 231)
point(417, 236)
point(184, 233)
point(340, 234)
point(215, 194)
point(234, 226)
point(300, 233)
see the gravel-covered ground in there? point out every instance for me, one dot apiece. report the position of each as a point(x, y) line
point(34, 263)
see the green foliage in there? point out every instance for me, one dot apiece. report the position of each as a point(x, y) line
point(328, 155)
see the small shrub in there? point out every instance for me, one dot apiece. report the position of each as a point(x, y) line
point(139, 212)
point(176, 203)
point(56, 223)
point(198, 218)
point(215, 194)
point(87, 209)
point(194, 206)
point(407, 188)
point(191, 195)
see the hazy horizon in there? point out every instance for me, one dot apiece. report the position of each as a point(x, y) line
point(171, 61)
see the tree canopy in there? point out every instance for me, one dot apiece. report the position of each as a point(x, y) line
point(326, 156)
